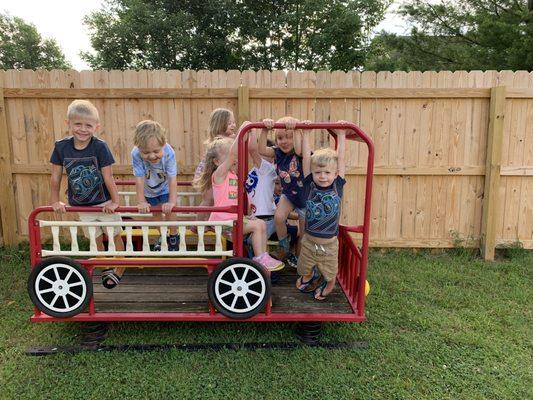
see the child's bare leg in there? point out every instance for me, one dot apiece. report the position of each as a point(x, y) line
point(119, 246)
point(172, 217)
point(257, 228)
point(280, 217)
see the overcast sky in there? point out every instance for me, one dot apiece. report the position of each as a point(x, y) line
point(62, 21)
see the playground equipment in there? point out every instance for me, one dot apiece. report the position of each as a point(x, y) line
point(64, 286)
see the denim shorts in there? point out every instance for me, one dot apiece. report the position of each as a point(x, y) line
point(158, 200)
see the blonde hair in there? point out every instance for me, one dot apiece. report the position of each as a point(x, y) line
point(148, 129)
point(82, 108)
point(203, 181)
point(218, 122)
point(324, 157)
point(281, 120)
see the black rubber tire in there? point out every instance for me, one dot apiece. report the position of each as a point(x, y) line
point(224, 270)
point(82, 281)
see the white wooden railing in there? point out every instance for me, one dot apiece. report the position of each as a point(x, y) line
point(144, 226)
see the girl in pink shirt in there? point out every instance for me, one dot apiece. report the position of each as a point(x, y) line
point(219, 175)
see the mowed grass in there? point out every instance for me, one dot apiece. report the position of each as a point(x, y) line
point(440, 326)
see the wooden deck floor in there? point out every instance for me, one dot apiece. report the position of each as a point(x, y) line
point(185, 290)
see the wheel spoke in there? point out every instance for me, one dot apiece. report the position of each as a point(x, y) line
point(56, 272)
point(254, 292)
point(245, 273)
point(225, 282)
point(75, 284)
point(46, 291)
point(234, 274)
point(226, 294)
point(254, 281)
point(65, 300)
point(54, 300)
point(69, 274)
point(246, 301)
point(234, 302)
point(44, 278)
point(75, 295)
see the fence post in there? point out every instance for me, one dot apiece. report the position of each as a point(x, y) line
point(7, 194)
point(491, 204)
point(244, 104)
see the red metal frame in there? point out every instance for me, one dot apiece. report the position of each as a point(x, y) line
point(352, 260)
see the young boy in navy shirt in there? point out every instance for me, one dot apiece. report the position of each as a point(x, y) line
point(323, 189)
point(87, 161)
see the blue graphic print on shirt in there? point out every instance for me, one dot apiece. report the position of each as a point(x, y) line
point(86, 186)
point(323, 207)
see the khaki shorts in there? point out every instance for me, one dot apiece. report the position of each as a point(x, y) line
point(324, 256)
point(100, 217)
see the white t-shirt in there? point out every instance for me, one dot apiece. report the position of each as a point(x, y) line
point(260, 189)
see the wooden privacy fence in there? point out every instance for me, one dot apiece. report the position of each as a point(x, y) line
point(454, 151)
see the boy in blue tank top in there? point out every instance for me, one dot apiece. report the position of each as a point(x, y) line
point(322, 190)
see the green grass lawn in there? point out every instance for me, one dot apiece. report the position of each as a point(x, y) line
point(440, 326)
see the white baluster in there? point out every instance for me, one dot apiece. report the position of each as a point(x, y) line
point(201, 245)
point(129, 241)
point(218, 238)
point(127, 200)
point(74, 238)
point(92, 239)
point(146, 242)
point(55, 235)
point(164, 244)
point(183, 233)
point(110, 239)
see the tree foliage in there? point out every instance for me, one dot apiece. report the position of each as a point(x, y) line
point(459, 35)
point(21, 46)
point(233, 34)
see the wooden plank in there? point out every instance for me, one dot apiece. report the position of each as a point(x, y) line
point(7, 204)
point(367, 93)
point(520, 93)
point(121, 93)
point(269, 93)
point(244, 104)
point(514, 140)
point(492, 175)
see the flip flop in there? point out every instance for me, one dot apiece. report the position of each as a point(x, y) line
point(319, 291)
point(311, 284)
point(109, 278)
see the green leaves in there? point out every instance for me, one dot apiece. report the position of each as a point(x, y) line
point(233, 34)
point(21, 46)
point(466, 35)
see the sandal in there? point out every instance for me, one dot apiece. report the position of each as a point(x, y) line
point(110, 279)
point(311, 284)
point(319, 291)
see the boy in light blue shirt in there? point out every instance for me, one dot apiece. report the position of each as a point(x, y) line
point(154, 168)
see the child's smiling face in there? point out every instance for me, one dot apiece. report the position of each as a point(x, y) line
point(230, 129)
point(152, 151)
point(284, 140)
point(82, 128)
